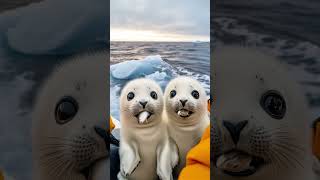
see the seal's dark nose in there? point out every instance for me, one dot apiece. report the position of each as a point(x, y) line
point(143, 103)
point(183, 102)
point(102, 133)
point(235, 129)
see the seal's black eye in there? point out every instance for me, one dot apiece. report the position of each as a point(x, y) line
point(173, 93)
point(195, 94)
point(130, 96)
point(274, 104)
point(154, 95)
point(66, 109)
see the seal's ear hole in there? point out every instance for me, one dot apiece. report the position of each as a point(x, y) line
point(274, 104)
point(66, 109)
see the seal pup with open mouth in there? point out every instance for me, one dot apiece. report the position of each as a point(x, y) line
point(186, 111)
point(261, 121)
point(146, 152)
point(69, 130)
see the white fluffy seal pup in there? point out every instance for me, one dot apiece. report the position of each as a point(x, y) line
point(260, 128)
point(69, 132)
point(186, 111)
point(145, 150)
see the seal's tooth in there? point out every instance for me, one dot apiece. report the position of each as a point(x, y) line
point(183, 113)
point(143, 116)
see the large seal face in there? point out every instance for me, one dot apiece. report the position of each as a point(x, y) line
point(69, 120)
point(185, 100)
point(141, 102)
point(260, 127)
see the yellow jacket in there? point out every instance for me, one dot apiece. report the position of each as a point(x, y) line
point(1, 176)
point(198, 160)
point(111, 125)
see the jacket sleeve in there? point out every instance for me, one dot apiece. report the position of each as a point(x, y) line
point(198, 160)
point(111, 125)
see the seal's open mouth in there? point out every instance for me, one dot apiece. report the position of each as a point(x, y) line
point(238, 163)
point(184, 113)
point(143, 117)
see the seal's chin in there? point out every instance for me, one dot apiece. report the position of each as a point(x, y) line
point(238, 163)
point(184, 113)
point(143, 116)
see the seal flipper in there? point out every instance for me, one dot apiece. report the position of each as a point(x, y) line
point(167, 159)
point(174, 153)
point(129, 158)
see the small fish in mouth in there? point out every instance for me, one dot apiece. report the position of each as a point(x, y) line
point(184, 113)
point(237, 163)
point(143, 117)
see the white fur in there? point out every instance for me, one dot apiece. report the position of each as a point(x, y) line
point(56, 147)
point(145, 150)
point(241, 76)
point(186, 132)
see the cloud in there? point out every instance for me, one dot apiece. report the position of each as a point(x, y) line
point(185, 17)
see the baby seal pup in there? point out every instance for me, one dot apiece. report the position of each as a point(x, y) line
point(145, 148)
point(186, 113)
point(69, 130)
point(260, 128)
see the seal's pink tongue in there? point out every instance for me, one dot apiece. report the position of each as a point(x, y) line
point(143, 116)
point(234, 162)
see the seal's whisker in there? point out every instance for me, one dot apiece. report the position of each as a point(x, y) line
point(288, 152)
point(285, 158)
point(278, 163)
point(56, 170)
point(290, 146)
point(52, 162)
point(50, 146)
point(268, 129)
point(59, 138)
point(65, 168)
point(51, 165)
point(269, 158)
point(280, 159)
point(52, 154)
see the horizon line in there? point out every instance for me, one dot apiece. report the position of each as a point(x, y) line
point(196, 41)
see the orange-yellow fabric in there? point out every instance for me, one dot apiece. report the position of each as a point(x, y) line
point(316, 140)
point(198, 160)
point(111, 124)
point(1, 176)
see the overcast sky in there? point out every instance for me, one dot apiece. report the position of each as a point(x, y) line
point(160, 20)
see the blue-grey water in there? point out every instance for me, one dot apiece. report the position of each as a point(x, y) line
point(160, 61)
